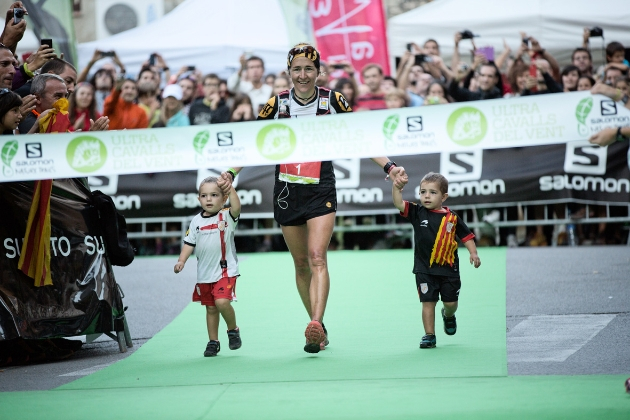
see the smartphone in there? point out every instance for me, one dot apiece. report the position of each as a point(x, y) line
point(152, 60)
point(421, 58)
point(487, 52)
point(191, 68)
point(533, 72)
point(107, 54)
point(47, 41)
point(409, 47)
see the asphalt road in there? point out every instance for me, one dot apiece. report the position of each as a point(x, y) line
point(568, 313)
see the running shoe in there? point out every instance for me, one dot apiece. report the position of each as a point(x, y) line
point(212, 348)
point(450, 324)
point(315, 335)
point(428, 341)
point(235, 338)
point(323, 344)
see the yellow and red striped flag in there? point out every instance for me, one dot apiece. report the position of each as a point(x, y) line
point(35, 255)
point(57, 120)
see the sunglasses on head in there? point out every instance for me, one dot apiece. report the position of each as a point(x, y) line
point(307, 49)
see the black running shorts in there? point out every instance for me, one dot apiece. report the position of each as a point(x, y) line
point(431, 287)
point(294, 204)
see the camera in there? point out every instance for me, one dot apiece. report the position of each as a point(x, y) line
point(467, 34)
point(18, 14)
point(107, 54)
point(152, 59)
point(526, 41)
point(422, 58)
point(596, 31)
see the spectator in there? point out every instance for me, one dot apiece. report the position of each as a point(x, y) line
point(82, 107)
point(585, 83)
point(543, 82)
point(121, 109)
point(25, 72)
point(189, 89)
point(148, 87)
point(7, 67)
point(10, 114)
point(349, 89)
point(517, 78)
point(388, 84)
point(172, 111)
point(242, 109)
point(410, 77)
point(570, 76)
point(397, 98)
point(622, 84)
point(436, 94)
point(489, 77)
point(582, 59)
point(612, 74)
point(258, 92)
point(225, 93)
point(614, 59)
point(210, 109)
point(55, 66)
point(48, 89)
point(375, 97)
point(280, 84)
point(104, 79)
point(270, 79)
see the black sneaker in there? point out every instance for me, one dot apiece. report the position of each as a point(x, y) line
point(235, 338)
point(450, 324)
point(212, 348)
point(428, 341)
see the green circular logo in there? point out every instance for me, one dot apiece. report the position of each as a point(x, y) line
point(276, 141)
point(86, 154)
point(390, 125)
point(467, 126)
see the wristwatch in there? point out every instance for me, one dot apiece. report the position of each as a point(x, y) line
point(388, 166)
point(621, 137)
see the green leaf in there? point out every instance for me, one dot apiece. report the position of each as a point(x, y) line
point(390, 125)
point(9, 150)
point(200, 141)
point(583, 109)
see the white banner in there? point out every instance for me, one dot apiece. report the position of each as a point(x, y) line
point(491, 124)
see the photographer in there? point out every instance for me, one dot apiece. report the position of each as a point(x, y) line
point(608, 136)
point(489, 79)
point(412, 78)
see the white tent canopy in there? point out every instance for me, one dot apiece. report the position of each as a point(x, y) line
point(557, 24)
point(209, 34)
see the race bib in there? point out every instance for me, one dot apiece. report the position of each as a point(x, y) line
point(300, 173)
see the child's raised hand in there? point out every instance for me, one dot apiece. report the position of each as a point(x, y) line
point(179, 267)
point(474, 259)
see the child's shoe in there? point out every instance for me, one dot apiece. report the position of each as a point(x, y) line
point(450, 324)
point(235, 338)
point(428, 341)
point(212, 348)
point(315, 336)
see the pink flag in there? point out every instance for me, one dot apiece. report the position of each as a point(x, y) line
point(352, 30)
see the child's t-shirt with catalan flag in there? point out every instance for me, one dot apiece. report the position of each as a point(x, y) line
point(436, 233)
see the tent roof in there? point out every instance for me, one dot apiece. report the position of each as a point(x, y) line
point(210, 34)
point(556, 24)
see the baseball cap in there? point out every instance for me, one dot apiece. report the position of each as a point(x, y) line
point(173, 90)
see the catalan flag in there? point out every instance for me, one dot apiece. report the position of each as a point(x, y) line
point(35, 255)
point(445, 242)
point(57, 120)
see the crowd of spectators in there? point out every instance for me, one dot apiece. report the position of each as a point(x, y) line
point(104, 97)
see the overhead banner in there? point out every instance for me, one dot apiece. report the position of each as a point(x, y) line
point(550, 173)
point(350, 30)
point(481, 125)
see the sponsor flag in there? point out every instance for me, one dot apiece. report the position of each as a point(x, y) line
point(35, 254)
point(351, 30)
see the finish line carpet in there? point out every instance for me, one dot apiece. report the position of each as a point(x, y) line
point(373, 367)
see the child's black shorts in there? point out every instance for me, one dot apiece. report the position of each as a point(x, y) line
point(431, 288)
point(294, 204)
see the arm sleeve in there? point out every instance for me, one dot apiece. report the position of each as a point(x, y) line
point(269, 110)
point(552, 86)
point(109, 106)
point(339, 102)
point(220, 115)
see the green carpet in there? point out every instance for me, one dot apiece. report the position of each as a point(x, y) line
point(373, 367)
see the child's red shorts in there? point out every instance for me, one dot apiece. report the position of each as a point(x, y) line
point(206, 293)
